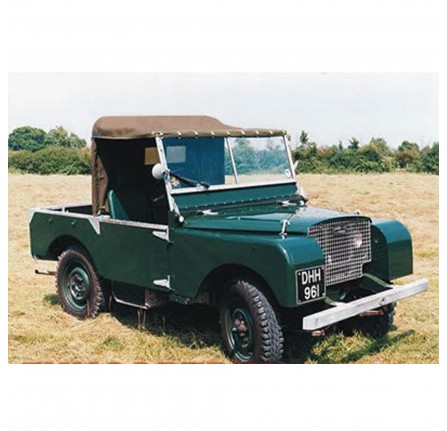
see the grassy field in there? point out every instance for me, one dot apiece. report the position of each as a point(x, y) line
point(40, 332)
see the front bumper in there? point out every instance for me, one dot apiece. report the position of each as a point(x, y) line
point(344, 310)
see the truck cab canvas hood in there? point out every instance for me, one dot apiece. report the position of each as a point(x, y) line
point(264, 219)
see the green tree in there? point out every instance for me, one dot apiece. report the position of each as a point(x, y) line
point(304, 138)
point(408, 156)
point(308, 157)
point(430, 159)
point(26, 138)
point(341, 160)
point(271, 159)
point(62, 138)
point(354, 144)
point(381, 146)
point(244, 156)
point(55, 159)
point(20, 160)
point(372, 159)
point(51, 160)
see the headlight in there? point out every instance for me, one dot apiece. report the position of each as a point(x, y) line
point(358, 240)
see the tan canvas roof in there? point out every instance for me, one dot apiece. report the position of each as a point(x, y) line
point(133, 127)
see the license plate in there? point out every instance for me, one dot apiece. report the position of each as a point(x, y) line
point(310, 284)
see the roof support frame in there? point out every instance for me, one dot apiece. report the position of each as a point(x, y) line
point(233, 164)
point(167, 181)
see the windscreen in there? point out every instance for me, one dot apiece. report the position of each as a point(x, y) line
point(258, 160)
point(218, 161)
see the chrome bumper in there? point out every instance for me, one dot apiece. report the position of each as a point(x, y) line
point(341, 310)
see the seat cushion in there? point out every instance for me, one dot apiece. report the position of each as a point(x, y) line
point(129, 204)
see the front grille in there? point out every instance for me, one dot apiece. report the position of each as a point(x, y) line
point(346, 246)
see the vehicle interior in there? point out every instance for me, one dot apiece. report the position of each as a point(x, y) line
point(132, 192)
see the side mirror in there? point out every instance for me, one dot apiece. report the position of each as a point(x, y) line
point(158, 171)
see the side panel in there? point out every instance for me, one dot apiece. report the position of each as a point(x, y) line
point(132, 254)
point(197, 253)
point(121, 252)
point(392, 251)
point(46, 226)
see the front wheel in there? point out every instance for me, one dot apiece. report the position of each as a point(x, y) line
point(250, 328)
point(77, 284)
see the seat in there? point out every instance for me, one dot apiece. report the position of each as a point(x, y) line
point(129, 204)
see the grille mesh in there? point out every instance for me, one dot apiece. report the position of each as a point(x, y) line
point(344, 253)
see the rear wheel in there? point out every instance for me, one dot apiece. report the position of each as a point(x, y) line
point(77, 284)
point(250, 328)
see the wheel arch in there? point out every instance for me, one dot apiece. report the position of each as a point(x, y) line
point(61, 243)
point(219, 280)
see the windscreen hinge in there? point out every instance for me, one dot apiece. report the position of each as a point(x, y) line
point(285, 223)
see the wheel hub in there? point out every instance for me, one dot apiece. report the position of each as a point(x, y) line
point(77, 284)
point(241, 330)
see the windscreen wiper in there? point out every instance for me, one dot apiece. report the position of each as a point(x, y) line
point(190, 182)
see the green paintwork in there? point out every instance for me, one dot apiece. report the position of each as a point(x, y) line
point(132, 254)
point(75, 287)
point(196, 253)
point(116, 209)
point(121, 252)
point(240, 195)
point(264, 218)
point(47, 227)
point(392, 251)
point(245, 236)
point(240, 329)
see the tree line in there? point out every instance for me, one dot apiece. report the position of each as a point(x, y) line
point(375, 156)
point(32, 150)
point(251, 160)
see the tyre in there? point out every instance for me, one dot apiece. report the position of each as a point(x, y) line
point(250, 328)
point(77, 283)
point(375, 324)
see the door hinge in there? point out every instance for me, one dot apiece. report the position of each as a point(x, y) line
point(165, 283)
point(164, 235)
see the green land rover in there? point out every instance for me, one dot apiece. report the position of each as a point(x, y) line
point(187, 209)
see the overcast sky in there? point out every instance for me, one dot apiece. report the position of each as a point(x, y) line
point(329, 107)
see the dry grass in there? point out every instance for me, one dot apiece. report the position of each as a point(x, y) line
point(40, 332)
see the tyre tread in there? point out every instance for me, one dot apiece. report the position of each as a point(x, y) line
point(269, 339)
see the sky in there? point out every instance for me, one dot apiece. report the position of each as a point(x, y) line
point(330, 107)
